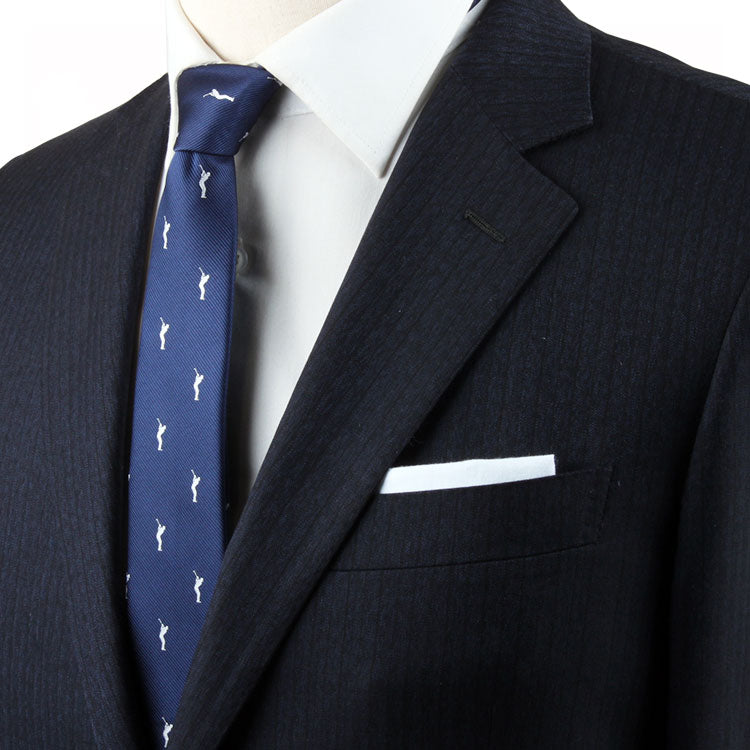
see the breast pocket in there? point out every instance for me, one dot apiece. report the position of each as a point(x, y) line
point(477, 524)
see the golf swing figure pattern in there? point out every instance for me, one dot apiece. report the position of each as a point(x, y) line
point(180, 397)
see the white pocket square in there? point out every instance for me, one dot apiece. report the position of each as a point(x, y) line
point(470, 473)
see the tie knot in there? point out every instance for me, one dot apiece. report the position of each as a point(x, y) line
point(219, 104)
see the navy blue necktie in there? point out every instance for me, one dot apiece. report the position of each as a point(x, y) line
point(177, 480)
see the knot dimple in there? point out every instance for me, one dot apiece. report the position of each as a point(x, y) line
point(219, 104)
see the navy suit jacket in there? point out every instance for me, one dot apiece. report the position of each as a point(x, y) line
point(558, 264)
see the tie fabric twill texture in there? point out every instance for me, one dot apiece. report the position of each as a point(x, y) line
point(176, 512)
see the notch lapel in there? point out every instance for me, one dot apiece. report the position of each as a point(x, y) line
point(423, 289)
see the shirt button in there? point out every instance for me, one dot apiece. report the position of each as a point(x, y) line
point(242, 259)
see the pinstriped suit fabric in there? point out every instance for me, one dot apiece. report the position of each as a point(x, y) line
point(603, 607)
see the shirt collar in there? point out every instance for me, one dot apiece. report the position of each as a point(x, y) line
point(361, 66)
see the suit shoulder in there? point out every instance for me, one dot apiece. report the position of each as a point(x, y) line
point(687, 129)
point(650, 61)
point(43, 168)
point(654, 107)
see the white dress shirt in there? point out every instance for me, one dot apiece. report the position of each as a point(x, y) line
point(309, 176)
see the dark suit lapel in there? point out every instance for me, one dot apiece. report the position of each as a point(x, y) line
point(463, 222)
point(85, 359)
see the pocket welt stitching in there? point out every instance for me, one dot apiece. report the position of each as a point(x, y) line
point(505, 521)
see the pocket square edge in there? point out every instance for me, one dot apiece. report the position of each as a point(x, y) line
point(472, 472)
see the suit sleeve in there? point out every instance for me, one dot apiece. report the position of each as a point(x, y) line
point(709, 629)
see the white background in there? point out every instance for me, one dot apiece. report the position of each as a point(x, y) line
point(63, 63)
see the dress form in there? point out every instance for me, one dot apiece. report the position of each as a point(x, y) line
point(239, 29)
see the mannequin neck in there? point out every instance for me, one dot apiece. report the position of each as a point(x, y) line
point(239, 29)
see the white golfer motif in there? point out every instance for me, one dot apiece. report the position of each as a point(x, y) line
point(167, 227)
point(202, 181)
point(159, 531)
point(162, 333)
point(127, 579)
point(217, 95)
point(167, 730)
point(197, 587)
point(162, 634)
point(194, 487)
point(202, 283)
point(160, 431)
point(197, 383)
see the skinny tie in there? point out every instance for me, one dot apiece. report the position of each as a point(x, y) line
point(177, 478)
